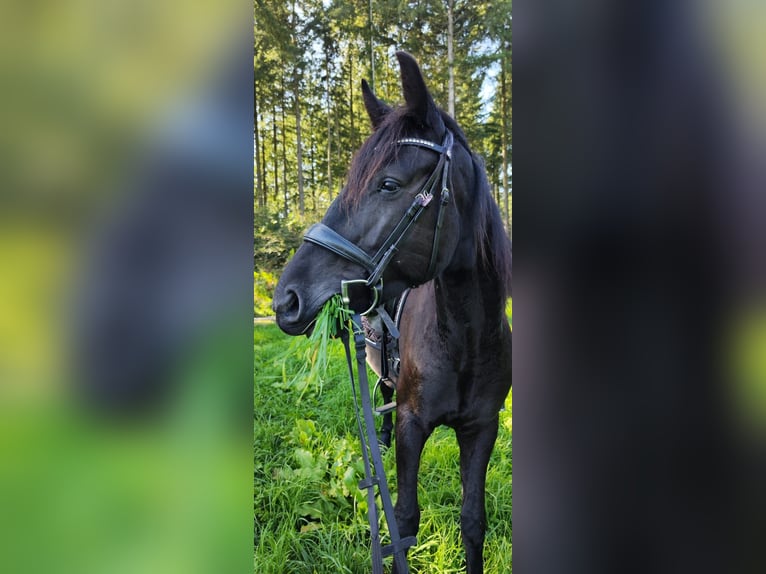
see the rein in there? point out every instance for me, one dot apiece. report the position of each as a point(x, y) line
point(398, 546)
point(324, 236)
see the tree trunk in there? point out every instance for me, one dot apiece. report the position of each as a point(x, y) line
point(329, 131)
point(275, 154)
point(285, 191)
point(504, 132)
point(372, 50)
point(299, 144)
point(297, 108)
point(264, 182)
point(352, 135)
point(312, 163)
point(258, 158)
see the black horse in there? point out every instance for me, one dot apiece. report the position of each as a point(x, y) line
point(418, 198)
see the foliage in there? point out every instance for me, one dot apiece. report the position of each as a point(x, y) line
point(334, 467)
point(264, 284)
point(275, 239)
point(309, 515)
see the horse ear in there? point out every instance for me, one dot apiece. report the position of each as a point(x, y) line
point(376, 109)
point(416, 94)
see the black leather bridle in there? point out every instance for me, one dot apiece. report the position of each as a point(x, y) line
point(330, 239)
point(326, 237)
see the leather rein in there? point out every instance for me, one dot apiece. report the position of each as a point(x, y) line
point(328, 238)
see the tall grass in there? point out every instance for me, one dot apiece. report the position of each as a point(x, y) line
point(310, 516)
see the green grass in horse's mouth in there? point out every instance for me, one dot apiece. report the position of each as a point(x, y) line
point(331, 319)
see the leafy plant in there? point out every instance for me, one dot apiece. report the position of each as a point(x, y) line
point(333, 468)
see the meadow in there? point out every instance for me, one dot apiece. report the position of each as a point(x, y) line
point(309, 515)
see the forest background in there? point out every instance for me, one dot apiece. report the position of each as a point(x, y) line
point(310, 57)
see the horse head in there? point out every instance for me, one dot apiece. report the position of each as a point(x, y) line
point(398, 222)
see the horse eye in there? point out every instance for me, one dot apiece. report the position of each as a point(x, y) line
point(389, 186)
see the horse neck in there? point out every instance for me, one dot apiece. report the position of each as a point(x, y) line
point(471, 299)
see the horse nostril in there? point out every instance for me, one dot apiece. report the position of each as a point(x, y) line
point(289, 305)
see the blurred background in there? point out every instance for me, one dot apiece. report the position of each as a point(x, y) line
point(640, 356)
point(125, 277)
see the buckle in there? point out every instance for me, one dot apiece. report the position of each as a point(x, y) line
point(348, 288)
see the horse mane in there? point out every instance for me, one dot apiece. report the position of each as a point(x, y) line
point(492, 243)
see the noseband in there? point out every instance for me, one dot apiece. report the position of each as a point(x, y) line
point(326, 237)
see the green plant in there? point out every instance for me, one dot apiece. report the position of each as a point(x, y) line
point(313, 350)
point(264, 284)
point(305, 523)
point(334, 469)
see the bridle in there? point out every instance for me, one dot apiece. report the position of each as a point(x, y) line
point(330, 239)
point(326, 237)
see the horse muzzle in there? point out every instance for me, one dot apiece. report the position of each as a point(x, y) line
point(289, 310)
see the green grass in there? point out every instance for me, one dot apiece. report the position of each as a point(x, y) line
point(310, 370)
point(309, 515)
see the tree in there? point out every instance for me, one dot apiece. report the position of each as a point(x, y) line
point(310, 57)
